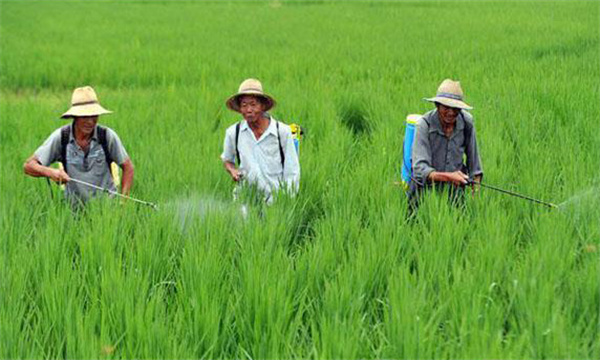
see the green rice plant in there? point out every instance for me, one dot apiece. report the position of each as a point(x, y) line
point(336, 271)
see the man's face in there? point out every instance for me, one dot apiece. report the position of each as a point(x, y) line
point(447, 114)
point(251, 108)
point(86, 124)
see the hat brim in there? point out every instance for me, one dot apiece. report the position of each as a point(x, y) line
point(450, 102)
point(233, 103)
point(85, 110)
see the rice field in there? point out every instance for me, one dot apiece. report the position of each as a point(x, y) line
point(337, 272)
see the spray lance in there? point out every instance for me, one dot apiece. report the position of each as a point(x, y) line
point(152, 205)
point(512, 193)
point(114, 171)
point(495, 188)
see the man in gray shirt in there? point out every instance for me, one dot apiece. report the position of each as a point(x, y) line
point(444, 136)
point(85, 150)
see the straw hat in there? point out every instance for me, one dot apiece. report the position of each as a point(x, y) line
point(450, 94)
point(84, 102)
point(250, 87)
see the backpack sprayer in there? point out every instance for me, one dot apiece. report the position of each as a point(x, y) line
point(297, 133)
point(409, 136)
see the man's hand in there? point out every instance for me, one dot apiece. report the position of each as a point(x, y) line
point(235, 175)
point(127, 178)
point(33, 167)
point(59, 176)
point(458, 178)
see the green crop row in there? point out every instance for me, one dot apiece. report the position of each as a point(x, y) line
point(335, 272)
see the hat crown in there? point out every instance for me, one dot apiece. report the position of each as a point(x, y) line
point(84, 95)
point(250, 85)
point(450, 89)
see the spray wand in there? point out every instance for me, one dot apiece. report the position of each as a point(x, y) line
point(152, 205)
point(512, 193)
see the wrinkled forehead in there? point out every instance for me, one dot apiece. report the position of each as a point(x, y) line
point(249, 99)
point(443, 107)
point(90, 118)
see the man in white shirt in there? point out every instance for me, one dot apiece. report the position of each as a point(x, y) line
point(262, 146)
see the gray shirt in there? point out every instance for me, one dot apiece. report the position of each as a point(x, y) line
point(433, 151)
point(90, 167)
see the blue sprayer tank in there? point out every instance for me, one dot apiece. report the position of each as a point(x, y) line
point(409, 137)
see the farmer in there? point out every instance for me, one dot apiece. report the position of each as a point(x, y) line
point(262, 146)
point(444, 135)
point(84, 149)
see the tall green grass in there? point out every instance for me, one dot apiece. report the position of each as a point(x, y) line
point(335, 272)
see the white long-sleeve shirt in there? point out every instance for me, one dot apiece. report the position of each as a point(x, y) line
point(260, 161)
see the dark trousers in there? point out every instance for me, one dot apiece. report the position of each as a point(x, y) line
point(416, 191)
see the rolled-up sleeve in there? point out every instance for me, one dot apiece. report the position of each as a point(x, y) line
point(291, 166)
point(49, 152)
point(116, 148)
point(473, 159)
point(229, 145)
point(421, 153)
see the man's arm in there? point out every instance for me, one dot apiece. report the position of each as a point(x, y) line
point(121, 157)
point(229, 154)
point(456, 177)
point(34, 168)
point(473, 158)
point(421, 154)
point(38, 164)
point(127, 180)
point(233, 172)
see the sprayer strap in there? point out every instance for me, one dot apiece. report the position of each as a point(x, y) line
point(237, 137)
point(64, 141)
point(102, 139)
point(281, 153)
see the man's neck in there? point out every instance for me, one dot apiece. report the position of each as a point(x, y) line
point(260, 126)
point(447, 128)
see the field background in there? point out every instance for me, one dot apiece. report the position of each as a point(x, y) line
point(336, 272)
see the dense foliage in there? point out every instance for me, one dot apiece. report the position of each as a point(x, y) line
point(336, 272)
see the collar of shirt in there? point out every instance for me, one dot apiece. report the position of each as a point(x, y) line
point(72, 135)
point(436, 126)
point(271, 129)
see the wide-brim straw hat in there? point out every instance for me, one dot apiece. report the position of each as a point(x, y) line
point(250, 87)
point(450, 94)
point(84, 102)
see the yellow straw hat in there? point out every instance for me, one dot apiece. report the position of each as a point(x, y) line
point(250, 87)
point(450, 94)
point(84, 102)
